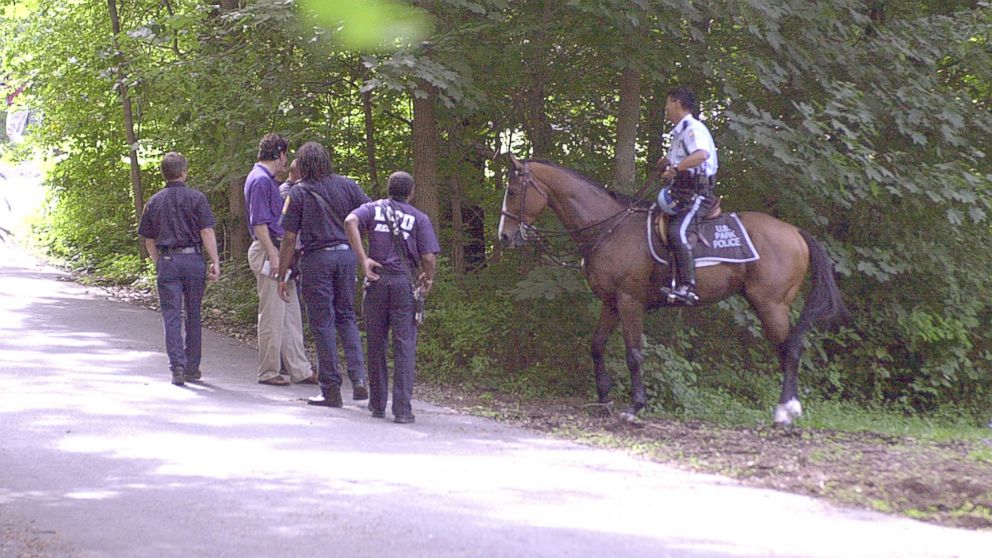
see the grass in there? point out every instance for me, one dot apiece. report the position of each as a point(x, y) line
point(982, 455)
point(716, 407)
point(847, 417)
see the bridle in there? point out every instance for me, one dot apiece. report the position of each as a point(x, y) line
point(527, 182)
point(527, 230)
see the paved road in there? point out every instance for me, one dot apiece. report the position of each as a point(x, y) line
point(101, 456)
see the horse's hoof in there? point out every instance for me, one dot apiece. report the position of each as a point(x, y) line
point(786, 412)
point(629, 416)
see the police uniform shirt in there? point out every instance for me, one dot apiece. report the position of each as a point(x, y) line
point(689, 136)
point(175, 215)
point(418, 234)
point(305, 215)
point(263, 203)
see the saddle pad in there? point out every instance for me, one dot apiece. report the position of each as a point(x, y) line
point(715, 241)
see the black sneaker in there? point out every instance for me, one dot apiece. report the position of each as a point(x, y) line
point(178, 376)
point(193, 375)
point(404, 419)
point(331, 398)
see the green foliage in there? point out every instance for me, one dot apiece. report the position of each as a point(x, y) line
point(234, 294)
point(670, 380)
point(125, 269)
point(479, 333)
point(371, 24)
point(869, 133)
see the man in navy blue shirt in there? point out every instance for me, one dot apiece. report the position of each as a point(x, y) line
point(314, 213)
point(401, 241)
point(178, 226)
point(280, 324)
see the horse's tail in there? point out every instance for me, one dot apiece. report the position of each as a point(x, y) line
point(824, 306)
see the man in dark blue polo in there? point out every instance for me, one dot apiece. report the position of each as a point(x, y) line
point(315, 212)
point(401, 241)
point(177, 226)
point(280, 324)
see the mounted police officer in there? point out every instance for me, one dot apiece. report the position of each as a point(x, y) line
point(178, 226)
point(401, 241)
point(692, 166)
point(314, 213)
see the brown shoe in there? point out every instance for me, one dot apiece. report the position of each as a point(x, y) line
point(309, 380)
point(275, 381)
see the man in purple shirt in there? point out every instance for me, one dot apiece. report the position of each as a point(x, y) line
point(280, 324)
point(178, 227)
point(401, 241)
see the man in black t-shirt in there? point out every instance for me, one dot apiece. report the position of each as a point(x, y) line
point(314, 213)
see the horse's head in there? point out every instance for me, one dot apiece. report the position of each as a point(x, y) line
point(523, 201)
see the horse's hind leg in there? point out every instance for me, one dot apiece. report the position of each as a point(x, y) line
point(789, 407)
point(775, 323)
point(632, 318)
point(607, 323)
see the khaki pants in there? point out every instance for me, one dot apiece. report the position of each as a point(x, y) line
point(280, 325)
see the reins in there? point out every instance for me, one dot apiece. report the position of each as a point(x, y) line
point(543, 235)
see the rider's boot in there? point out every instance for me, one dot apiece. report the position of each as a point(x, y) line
point(685, 268)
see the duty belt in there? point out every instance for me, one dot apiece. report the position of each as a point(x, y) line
point(181, 250)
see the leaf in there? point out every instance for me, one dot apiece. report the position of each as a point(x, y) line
point(370, 24)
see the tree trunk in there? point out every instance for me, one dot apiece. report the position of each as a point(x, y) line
point(627, 120)
point(455, 141)
point(132, 139)
point(656, 129)
point(537, 124)
point(237, 238)
point(425, 142)
point(370, 140)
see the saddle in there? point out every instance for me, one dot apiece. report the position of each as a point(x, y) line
point(661, 220)
point(718, 238)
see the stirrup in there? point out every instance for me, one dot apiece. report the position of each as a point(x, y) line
point(680, 295)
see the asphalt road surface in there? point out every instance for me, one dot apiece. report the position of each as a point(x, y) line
point(101, 456)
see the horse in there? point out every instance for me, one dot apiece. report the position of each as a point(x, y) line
point(611, 233)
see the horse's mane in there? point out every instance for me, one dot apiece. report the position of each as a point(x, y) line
point(620, 197)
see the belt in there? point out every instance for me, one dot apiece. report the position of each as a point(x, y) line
point(181, 250)
point(336, 247)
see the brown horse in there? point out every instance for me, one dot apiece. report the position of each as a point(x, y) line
point(617, 263)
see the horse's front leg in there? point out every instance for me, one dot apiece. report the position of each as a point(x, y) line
point(607, 323)
point(632, 322)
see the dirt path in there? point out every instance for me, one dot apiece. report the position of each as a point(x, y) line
point(947, 483)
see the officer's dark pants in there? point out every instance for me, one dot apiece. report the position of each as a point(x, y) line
point(389, 307)
point(329, 293)
point(688, 215)
point(182, 278)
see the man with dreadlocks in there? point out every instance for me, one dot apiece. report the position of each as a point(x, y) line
point(314, 213)
point(692, 166)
